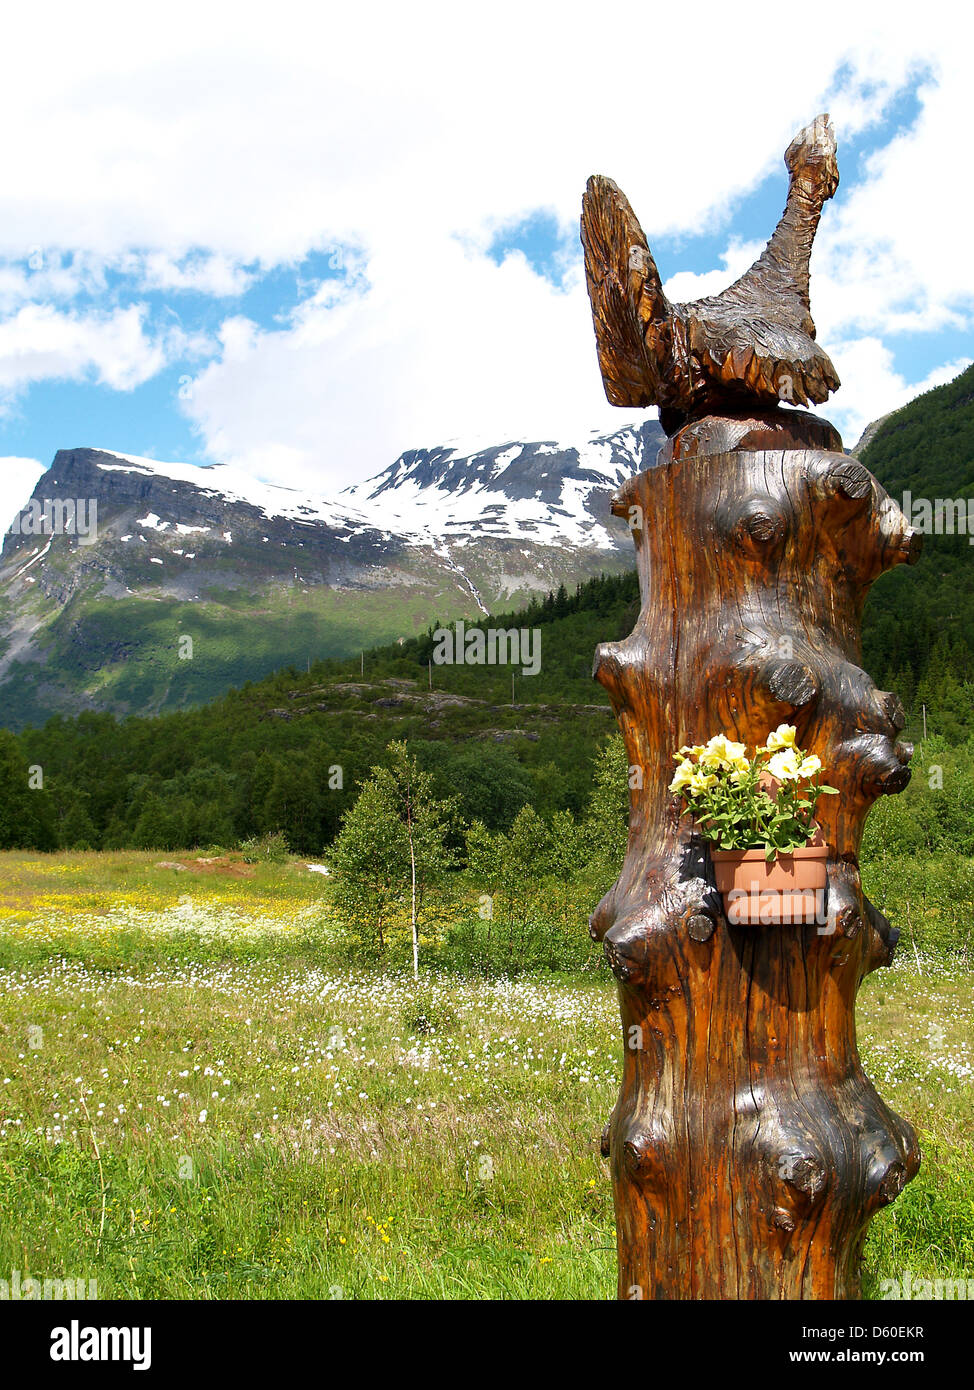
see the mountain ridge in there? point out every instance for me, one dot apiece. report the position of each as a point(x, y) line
point(261, 576)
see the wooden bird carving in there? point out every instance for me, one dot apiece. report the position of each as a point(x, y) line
point(753, 344)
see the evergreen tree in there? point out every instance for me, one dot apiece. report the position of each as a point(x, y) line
point(156, 827)
point(291, 805)
point(77, 830)
point(27, 813)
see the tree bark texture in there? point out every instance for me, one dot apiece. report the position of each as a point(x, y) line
point(749, 1150)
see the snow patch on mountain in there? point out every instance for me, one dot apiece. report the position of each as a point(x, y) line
point(549, 492)
point(225, 482)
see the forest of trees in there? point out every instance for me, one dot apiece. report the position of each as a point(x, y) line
point(289, 753)
point(918, 634)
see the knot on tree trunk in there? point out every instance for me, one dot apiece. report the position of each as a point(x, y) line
point(748, 1148)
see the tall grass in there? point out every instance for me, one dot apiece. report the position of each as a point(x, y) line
point(272, 1122)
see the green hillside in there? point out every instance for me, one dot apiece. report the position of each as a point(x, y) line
point(124, 653)
point(263, 757)
point(918, 630)
point(105, 627)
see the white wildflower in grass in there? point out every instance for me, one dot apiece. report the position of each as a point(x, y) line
point(306, 1099)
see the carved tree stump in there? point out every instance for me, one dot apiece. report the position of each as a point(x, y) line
point(748, 1148)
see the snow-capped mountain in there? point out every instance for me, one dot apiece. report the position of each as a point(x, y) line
point(543, 492)
point(260, 575)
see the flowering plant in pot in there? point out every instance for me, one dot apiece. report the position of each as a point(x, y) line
point(758, 814)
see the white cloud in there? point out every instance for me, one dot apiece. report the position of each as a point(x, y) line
point(687, 285)
point(40, 343)
point(350, 385)
point(17, 479)
point(228, 136)
point(213, 273)
point(43, 278)
point(894, 256)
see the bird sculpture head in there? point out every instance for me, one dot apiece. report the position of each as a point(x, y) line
point(811, 159)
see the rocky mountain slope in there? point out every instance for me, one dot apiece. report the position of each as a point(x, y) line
point(196, 579)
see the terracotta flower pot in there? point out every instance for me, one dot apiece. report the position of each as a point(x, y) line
point(788, 889)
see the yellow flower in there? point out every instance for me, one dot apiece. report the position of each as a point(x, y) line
point(783, 737)
point(702, 781)
point(810, 766)
point(683, 776)
point(785, 766)
point(691, 750)
point(722, 752)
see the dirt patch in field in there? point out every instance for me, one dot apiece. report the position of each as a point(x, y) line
point(222, 864)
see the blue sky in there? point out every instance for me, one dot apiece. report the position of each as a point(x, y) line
point(148, 419)
point(381, 252)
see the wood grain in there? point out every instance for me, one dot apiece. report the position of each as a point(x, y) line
point(752, 344)
point(748, 1147)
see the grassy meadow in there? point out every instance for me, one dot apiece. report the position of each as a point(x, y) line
point(200, 1098)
